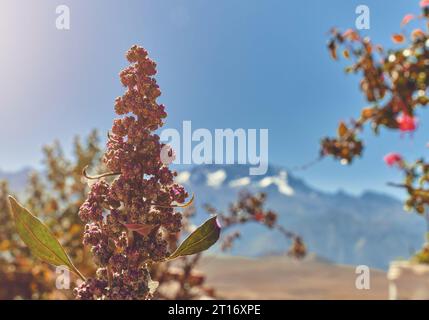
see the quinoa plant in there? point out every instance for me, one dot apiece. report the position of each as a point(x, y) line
point(142, 195)
point(129, 210)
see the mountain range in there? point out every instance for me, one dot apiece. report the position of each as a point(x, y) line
point(370, 229)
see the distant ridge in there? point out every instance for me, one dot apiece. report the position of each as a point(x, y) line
point(370, 228)
point(17, 179)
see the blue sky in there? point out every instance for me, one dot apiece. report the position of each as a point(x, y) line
point(221, 64)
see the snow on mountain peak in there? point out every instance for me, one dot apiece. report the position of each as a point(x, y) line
point(280, 181)
point(240, 182)
point(183, 177)
point(215, 179)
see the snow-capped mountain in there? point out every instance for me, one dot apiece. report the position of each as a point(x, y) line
point(370, 229)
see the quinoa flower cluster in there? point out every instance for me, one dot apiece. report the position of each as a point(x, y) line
point(126, 219)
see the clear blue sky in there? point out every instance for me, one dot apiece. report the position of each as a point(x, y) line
point(223, 63)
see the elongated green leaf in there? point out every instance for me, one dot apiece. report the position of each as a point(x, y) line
point(39, 239)
point(201, 239)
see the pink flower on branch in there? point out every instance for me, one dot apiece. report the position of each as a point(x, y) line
point(424, 3)
point(407, 123)
point(392, 159)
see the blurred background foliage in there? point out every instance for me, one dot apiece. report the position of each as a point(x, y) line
point(54, 194)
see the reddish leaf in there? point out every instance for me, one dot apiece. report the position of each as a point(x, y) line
point(367, 113)
point(398, 38)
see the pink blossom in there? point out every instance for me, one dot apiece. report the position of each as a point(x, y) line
point(392, 159)
point(407, 122)
point(424, 3)
point(407, 19)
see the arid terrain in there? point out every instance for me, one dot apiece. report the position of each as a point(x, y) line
point(280, 277)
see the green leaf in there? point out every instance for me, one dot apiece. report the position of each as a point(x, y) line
point(39, 239)
point(201, 239)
